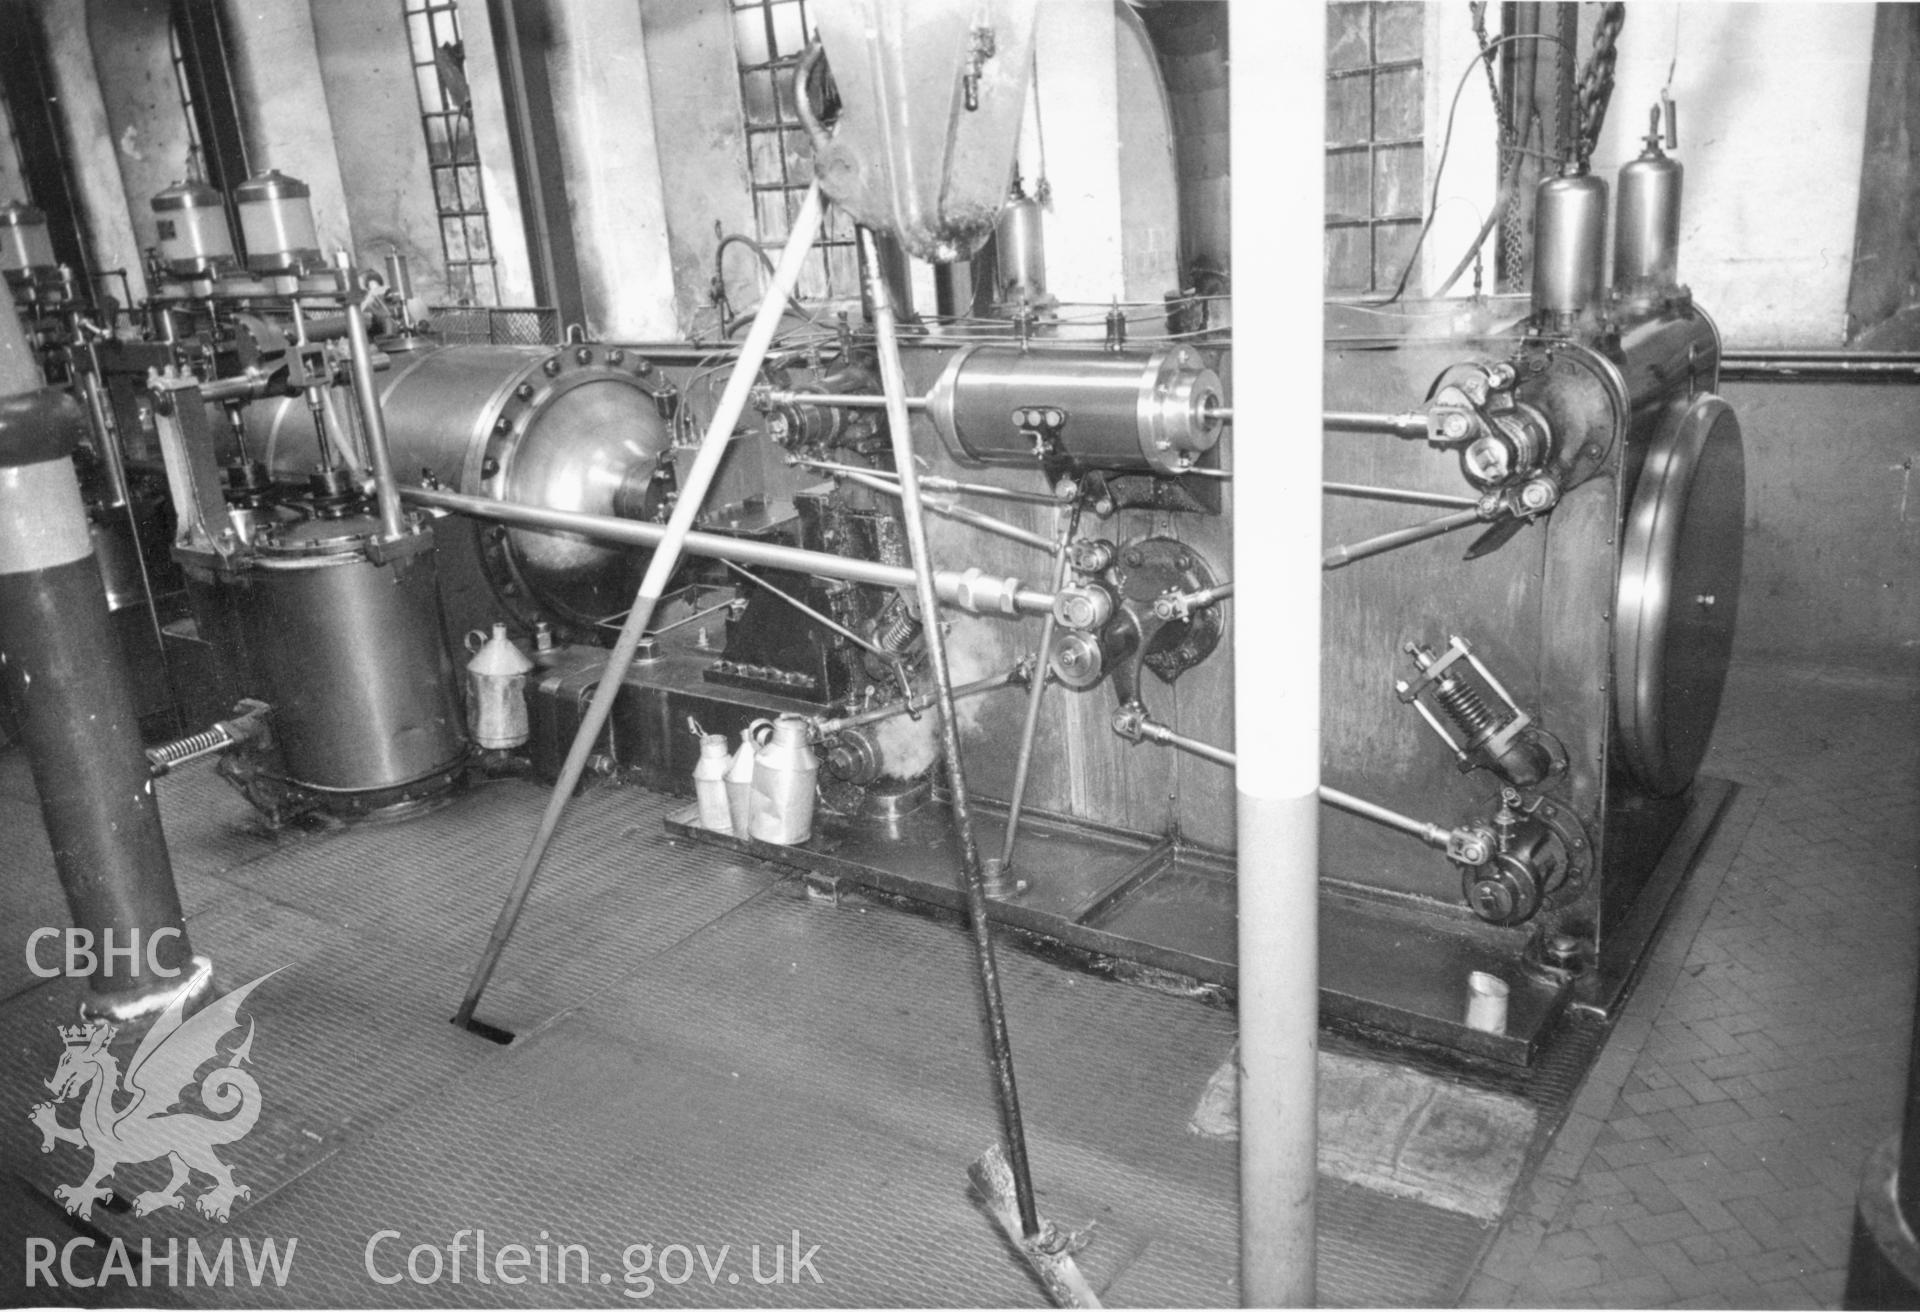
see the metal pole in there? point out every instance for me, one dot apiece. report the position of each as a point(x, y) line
point(68, 681)
point(653, 585)
point(1276, 646)
point(893, 381)
point(971, 592)
point(393, 523)
point(1066, 520)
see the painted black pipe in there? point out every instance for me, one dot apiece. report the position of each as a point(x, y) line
point(67, 677)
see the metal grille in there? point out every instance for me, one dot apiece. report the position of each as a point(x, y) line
point(495, 325)
point(453, 156)
point(769, 36)
point(1376, 157)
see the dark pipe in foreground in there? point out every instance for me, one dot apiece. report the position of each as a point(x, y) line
point(65, 673)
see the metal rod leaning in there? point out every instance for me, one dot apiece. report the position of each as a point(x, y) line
point(893, 381)
point(653, 585)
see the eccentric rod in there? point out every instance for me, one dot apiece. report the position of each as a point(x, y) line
point(1401, 495)
point(920, 701)
point(959, 514)
point(1336, 557)
point(967, 590)
point(1137, 725)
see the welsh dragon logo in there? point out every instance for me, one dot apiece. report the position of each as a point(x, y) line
point(131, 1119)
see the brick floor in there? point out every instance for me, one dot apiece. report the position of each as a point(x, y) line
point(1712, 1155)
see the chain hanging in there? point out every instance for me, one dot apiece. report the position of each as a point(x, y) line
point(1596, 84)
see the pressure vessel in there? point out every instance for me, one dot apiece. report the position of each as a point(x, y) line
point(1569, 234)
point(276, 223)
point(1646, 230)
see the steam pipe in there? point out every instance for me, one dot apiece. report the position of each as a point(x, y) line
point(893, 381)
point(393, 523)
point(67, 677)
point(1821, 366)
point(969, 590)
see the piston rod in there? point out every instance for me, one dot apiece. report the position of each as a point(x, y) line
point(1412, 425)
point(852, 400)
point(970, 591)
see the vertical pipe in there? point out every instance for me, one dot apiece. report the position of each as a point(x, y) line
point(68, 682)
point(393, 524)
point(893, 380)
point(665, 559)
point(1276, 491)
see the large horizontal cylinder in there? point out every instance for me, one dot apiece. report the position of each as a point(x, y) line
point(1128, 411)
point(576, 428)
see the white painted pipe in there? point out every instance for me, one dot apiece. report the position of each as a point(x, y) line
point(1276, 494)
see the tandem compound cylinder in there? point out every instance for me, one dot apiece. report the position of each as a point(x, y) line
point(67, 677)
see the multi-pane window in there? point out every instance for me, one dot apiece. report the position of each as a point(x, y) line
point(453, 156)
point(1376, 159)
point(769, 36)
